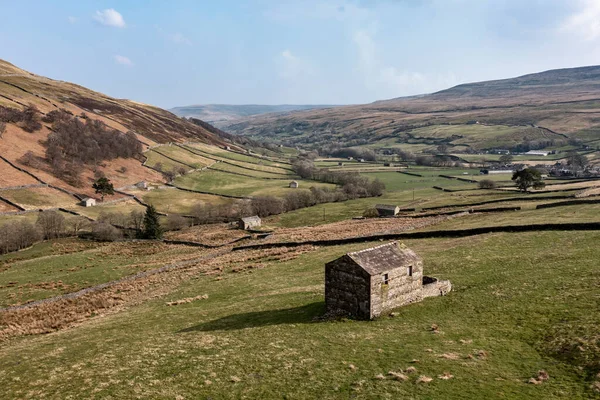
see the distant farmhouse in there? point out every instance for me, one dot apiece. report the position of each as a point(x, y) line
point(495, 171)
point(249, 222)
point(88, 202)
point(387, 210)
point(294, 184)
point(537, 153)
point(371, 282)
point(142, 185)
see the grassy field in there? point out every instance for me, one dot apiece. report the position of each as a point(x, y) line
point(167, 165)
point(179, 201)
point(221, 166)
point(184, 156)
point(223, 183)
point(233, 156)
point(39, 198)
point(124, 207)
point(255, 335)
point(566, 214)
point(29, 217)
point(63, 266)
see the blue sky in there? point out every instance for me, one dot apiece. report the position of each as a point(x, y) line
point(184, 52)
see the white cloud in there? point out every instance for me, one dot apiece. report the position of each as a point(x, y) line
point(110, 17)
point(292, 66)
point(179, 38)
point(586, 21)
point(123, 60)
point(72, 20)
point(387, 81)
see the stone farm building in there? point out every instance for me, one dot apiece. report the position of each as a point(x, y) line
point(249, 222)
point(88, 202)
point(294, 184)
point(371, 282)
point(387, 210)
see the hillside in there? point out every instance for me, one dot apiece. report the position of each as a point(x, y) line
point(220, 114)
point(544, 109)
point(149, 124)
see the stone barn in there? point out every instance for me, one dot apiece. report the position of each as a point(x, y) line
point(249, 222)
point(88, 202)
point(371, 282)
point(294, 184)
point(387, 210)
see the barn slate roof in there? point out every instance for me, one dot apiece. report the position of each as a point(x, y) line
point(384, 258)
point(390, 207)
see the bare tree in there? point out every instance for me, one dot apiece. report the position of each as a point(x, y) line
point(77, 224)
point(136, 220)
point(17, 235)
point(51, 223)
point(2, 128)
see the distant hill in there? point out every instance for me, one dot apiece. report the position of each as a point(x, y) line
point(223, 113)
point(150, 125)
point(537, 110)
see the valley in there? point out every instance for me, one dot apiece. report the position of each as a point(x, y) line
point(91, 309)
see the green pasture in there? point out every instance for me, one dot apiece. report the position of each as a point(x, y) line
point(217, 182)
point(51, 268)
point(520, 304)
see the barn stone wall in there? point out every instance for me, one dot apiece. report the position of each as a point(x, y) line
point(436, 288)
point(347, 288)
point(401, 289)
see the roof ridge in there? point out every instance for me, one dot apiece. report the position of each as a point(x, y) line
point(372, 248)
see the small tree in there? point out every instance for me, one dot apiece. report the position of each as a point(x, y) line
point(486, 184)
point(104, 187)
point(77, 224)
point(506, 158)
point(181, 171)
point(2, 128)
point(169, 175)
point(51, 223)
point(152, 228)
point(577, 161)
point(528, 177)
point(136, 220)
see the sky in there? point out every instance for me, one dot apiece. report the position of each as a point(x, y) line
point(183, 52)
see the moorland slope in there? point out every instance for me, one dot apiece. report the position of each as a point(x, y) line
point(537, 108)
point(150, 125)
point(220, 114)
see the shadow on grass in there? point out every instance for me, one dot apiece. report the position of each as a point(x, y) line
point(297, 315)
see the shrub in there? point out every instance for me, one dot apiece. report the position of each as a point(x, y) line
point(105, 232)
point(176, 222)
point(181, 171)
point(31, 119)
point(486, 184)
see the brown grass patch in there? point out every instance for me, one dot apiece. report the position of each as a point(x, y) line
point(61, 313)
point(187, 300)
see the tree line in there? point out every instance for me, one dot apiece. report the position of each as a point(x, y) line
point(53, 225)
point(74, 143)
point(27, 119)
